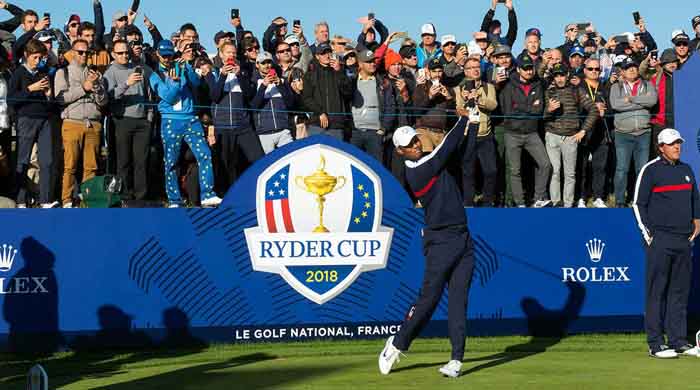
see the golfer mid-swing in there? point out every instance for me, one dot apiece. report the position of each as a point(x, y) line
point(448, 248)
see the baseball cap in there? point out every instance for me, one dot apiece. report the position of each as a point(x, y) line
point(559, 69)
point(131, 29)
point(365, 56)
point(434, 64)
point(666, 137)
point(407, 51)
point(628, 63)
point(679, 36)
point(74, 18)
point(221, 35)
point(577, 50)
point(668, 56)
point(524, 61)
point(166, 48)
point(695, 21)
point(533, 31)
point(428, 29)
point(501, 49)
point(448, 38)
point(403, 136)
point(44, 36)
point(323, 48)
point(118, 15)
point(263, 56)
point(481, 36)
point(291, 39)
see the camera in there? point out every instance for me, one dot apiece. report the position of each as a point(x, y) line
point(234, 13)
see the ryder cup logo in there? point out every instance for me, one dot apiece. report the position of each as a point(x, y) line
point(595, 249)
point(319, 214)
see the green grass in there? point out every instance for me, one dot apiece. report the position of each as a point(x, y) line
point(579, 362)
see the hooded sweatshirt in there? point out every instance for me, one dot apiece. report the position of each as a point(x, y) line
point(632, 117)
point(79, 104)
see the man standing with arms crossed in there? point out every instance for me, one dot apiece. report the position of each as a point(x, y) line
point(667, 208)
point(447, 242)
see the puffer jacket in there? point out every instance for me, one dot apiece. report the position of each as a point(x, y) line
point(230, 95)
point(565, 120)
point(77, 103)
point(271, 105)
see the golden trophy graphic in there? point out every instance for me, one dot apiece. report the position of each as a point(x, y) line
point(320, 183)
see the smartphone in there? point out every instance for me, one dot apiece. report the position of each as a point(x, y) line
point(272, 72)
point(231, 62)
point(636, 17)
point(296, 22)
point(654, 54)
point(370, 15)
point(502, 1)
point(47, 15)
point(422, 73)
point(582, 26)
point(234, 13)
point(138, 70)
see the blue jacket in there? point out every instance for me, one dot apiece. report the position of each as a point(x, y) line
point(271, 109)
point(435, 186)
point(230, 111)
point(666, 198)
point(176, 97)
point(423, 56)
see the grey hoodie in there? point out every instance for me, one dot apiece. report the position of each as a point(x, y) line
point(127, 101)
point(632, 117)
point(79, 104)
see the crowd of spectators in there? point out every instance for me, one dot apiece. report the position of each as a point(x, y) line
point(176, 123)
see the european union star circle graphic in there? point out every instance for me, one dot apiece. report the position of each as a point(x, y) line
point(319, 221)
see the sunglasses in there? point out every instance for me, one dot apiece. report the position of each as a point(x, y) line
point(284, 51)
point(593, 69)
point(124, 19)
point(80, 52)
point(121, 53)
point(295, 44)
point(74, 25)
point(350, 56)
point(255, 48)
point(449, 44)
point(684, 44)
point(571, 29)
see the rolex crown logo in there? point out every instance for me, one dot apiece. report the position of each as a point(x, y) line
point(7, 257)
point(595, 249)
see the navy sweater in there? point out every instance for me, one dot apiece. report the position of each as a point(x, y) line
point(435, 186)
point(666, 198)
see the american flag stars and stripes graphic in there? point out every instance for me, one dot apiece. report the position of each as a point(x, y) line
point(277, 214)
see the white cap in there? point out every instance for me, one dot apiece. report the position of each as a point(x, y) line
point(473, 49)
point(619, 59)
point(448, 38)
point(676, 33)
point(403, 136)
point(630, 36)
point(669, 136)
point(428, 28)
point(291, 39)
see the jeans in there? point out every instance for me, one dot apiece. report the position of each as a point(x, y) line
point(562, 148)
point(173, 133)
point(317, 130)
point(627, 146)
point(515, 143)
point(485, 152)
point(30, 130)
point(272, 141)
point(369, 141)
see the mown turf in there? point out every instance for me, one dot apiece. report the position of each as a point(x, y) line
point(580, 362)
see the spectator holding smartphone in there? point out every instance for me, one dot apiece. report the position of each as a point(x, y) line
point(271, 102)
point(431, 101)
point(231, 90)
point(493, 27)
point(81, 91)
point(128, 90)
point(695, 43)
point(174, 82)
point(32, 98)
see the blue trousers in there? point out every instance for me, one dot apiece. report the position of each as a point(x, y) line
point(669, 270)
point(449, 259)
point(627, 146)
point(173, 132)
